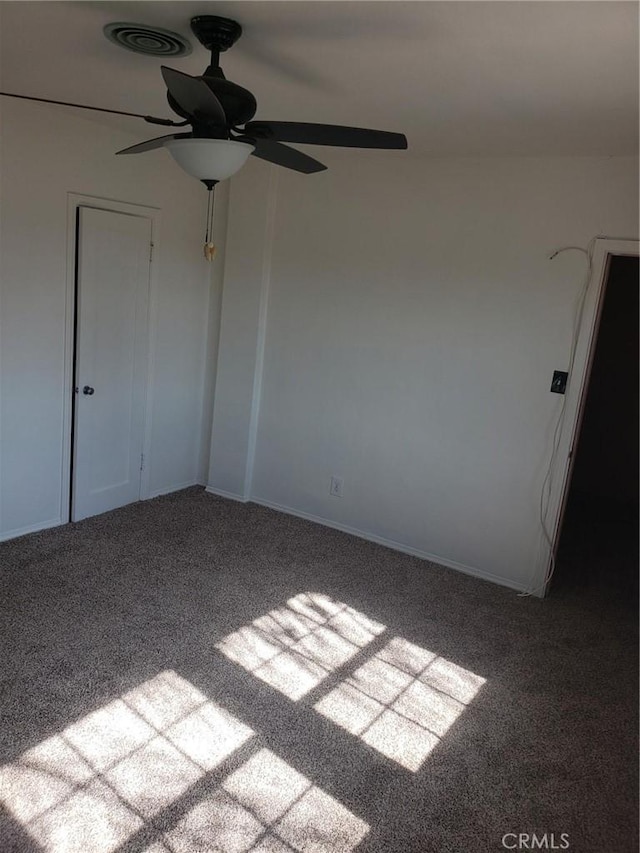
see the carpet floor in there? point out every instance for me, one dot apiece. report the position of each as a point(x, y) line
point(189, 675)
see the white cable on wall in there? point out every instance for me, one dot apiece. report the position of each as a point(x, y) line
point(547, 484)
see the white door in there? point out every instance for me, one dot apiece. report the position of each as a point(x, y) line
point(111, 356)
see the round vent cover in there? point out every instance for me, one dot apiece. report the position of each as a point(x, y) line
point(153, 41)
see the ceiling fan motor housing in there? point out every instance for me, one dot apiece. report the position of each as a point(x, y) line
point(238, 104)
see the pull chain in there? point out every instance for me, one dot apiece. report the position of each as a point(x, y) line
point(209, 248)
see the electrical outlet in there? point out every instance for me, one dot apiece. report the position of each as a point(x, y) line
point(335, 488)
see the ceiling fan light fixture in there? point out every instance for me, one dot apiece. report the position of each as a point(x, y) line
point(209, 159)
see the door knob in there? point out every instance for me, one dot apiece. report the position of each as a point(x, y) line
point(88, 390)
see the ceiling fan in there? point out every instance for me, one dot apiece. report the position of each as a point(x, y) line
point(220, 113)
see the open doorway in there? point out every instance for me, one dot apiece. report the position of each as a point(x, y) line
point(597, 550)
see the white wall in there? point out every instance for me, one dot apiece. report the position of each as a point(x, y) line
point(47, 153)
point(238, 369)
point(414, 322)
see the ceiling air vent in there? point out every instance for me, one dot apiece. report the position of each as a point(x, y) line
point(152, 41)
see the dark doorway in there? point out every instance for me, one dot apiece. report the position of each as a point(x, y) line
point(598, 547)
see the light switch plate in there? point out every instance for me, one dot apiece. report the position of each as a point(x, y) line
point(559, 381)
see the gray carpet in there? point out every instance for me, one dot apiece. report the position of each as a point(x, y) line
point(189, 674)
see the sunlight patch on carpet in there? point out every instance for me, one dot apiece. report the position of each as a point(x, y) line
point(89, 788)
point(266, 806)
point(92, 787)
point(402, 701)
point(295, 647)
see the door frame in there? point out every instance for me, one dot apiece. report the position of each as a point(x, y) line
point(74, 201)
point(604, 249)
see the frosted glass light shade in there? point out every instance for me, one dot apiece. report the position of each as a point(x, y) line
point(209, 159)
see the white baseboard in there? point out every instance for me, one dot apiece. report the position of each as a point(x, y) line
point(56, 522)
point(345, 528)
point(395, 546)
point(31, 528)
point(231, 495)
point(169, 489)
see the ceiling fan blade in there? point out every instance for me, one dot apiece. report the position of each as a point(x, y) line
point(151, 119)
point(325, 134)
point(283, 155)
point(194, 96)
point(150, 144)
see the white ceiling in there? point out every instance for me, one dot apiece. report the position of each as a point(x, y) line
point(459, 78)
